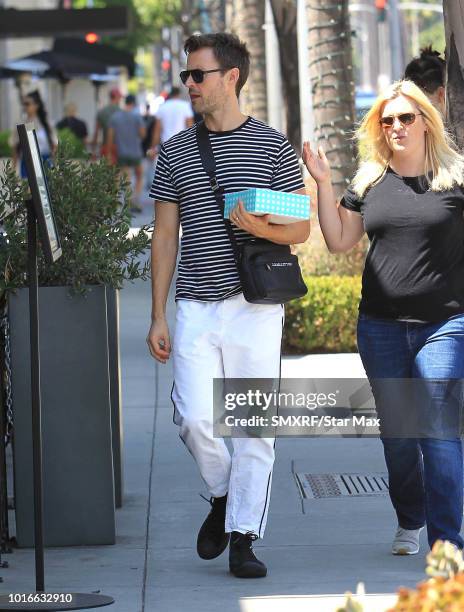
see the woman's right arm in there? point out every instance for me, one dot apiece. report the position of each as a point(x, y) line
point(341, 228)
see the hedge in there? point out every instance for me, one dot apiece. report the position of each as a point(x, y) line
point(324, 320)
point(5, 148)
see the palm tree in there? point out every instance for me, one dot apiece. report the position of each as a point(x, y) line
point(215, 10)
point(453, 11)
point(246, 19)
point(285, 18)
point(332, 86)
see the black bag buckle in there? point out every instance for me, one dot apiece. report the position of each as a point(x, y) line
point(214, 184)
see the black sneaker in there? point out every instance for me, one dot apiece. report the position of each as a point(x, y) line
point(212, 540)
point(242, 560)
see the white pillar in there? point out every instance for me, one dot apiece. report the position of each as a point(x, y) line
point(397, 56)
point(275, 105)
point(306, 103)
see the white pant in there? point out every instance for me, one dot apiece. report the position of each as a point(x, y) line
point(232, 339)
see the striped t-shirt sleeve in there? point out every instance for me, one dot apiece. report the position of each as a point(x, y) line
point(163, 188)
point(287, 175)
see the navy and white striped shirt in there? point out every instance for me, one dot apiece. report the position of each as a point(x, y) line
point(252, 155)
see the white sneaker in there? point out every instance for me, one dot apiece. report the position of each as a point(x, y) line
point(406, 541)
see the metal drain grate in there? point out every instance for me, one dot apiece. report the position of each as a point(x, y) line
point(316, 486)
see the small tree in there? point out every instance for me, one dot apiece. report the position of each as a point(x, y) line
point(285, 18)
point(332, 86)
point(216, 14)
point(247, 20)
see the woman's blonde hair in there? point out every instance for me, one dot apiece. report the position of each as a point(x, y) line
point(443, 164)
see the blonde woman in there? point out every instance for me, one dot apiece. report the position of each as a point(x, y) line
point(407, 195)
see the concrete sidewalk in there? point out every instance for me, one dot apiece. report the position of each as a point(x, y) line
point(153, 566)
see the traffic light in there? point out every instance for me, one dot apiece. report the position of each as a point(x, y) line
point(91, 38)
point(166, 73)
point(381, 6)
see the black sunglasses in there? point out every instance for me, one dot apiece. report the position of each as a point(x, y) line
point(404, 119)
point(197, 74)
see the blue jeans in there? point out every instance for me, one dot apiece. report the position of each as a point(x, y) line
point(46, 158)
point(425, 473)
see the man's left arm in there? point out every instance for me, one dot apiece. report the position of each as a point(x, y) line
point(109, 142)
point(142, 130)
point(287, 178)
point(155, 140)
point(293, 233)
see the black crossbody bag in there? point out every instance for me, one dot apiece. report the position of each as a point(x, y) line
point(268, 272)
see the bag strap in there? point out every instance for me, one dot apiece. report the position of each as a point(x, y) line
point(209, 165)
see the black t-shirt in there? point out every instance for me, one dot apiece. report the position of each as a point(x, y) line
point(414, 269)
point(77, 126)
point(150, 123)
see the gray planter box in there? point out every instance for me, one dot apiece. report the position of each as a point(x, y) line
point(76, 418)
point(112, 306)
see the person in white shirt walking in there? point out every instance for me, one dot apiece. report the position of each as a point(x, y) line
point(173, 116)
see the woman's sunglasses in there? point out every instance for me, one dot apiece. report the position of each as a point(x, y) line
point(404, 119)
point(196, 74)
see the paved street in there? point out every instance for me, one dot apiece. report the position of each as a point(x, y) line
point(327, 549)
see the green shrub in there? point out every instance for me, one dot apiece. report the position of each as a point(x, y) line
point(75, 148)
point(91, 207)
point(5, 148)
point(324, 320)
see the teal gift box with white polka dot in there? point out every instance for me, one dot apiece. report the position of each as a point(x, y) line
point(283, 207)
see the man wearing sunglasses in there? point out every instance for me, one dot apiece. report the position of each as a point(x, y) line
point(218, 333)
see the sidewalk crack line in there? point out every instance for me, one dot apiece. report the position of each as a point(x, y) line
point(147, 525)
